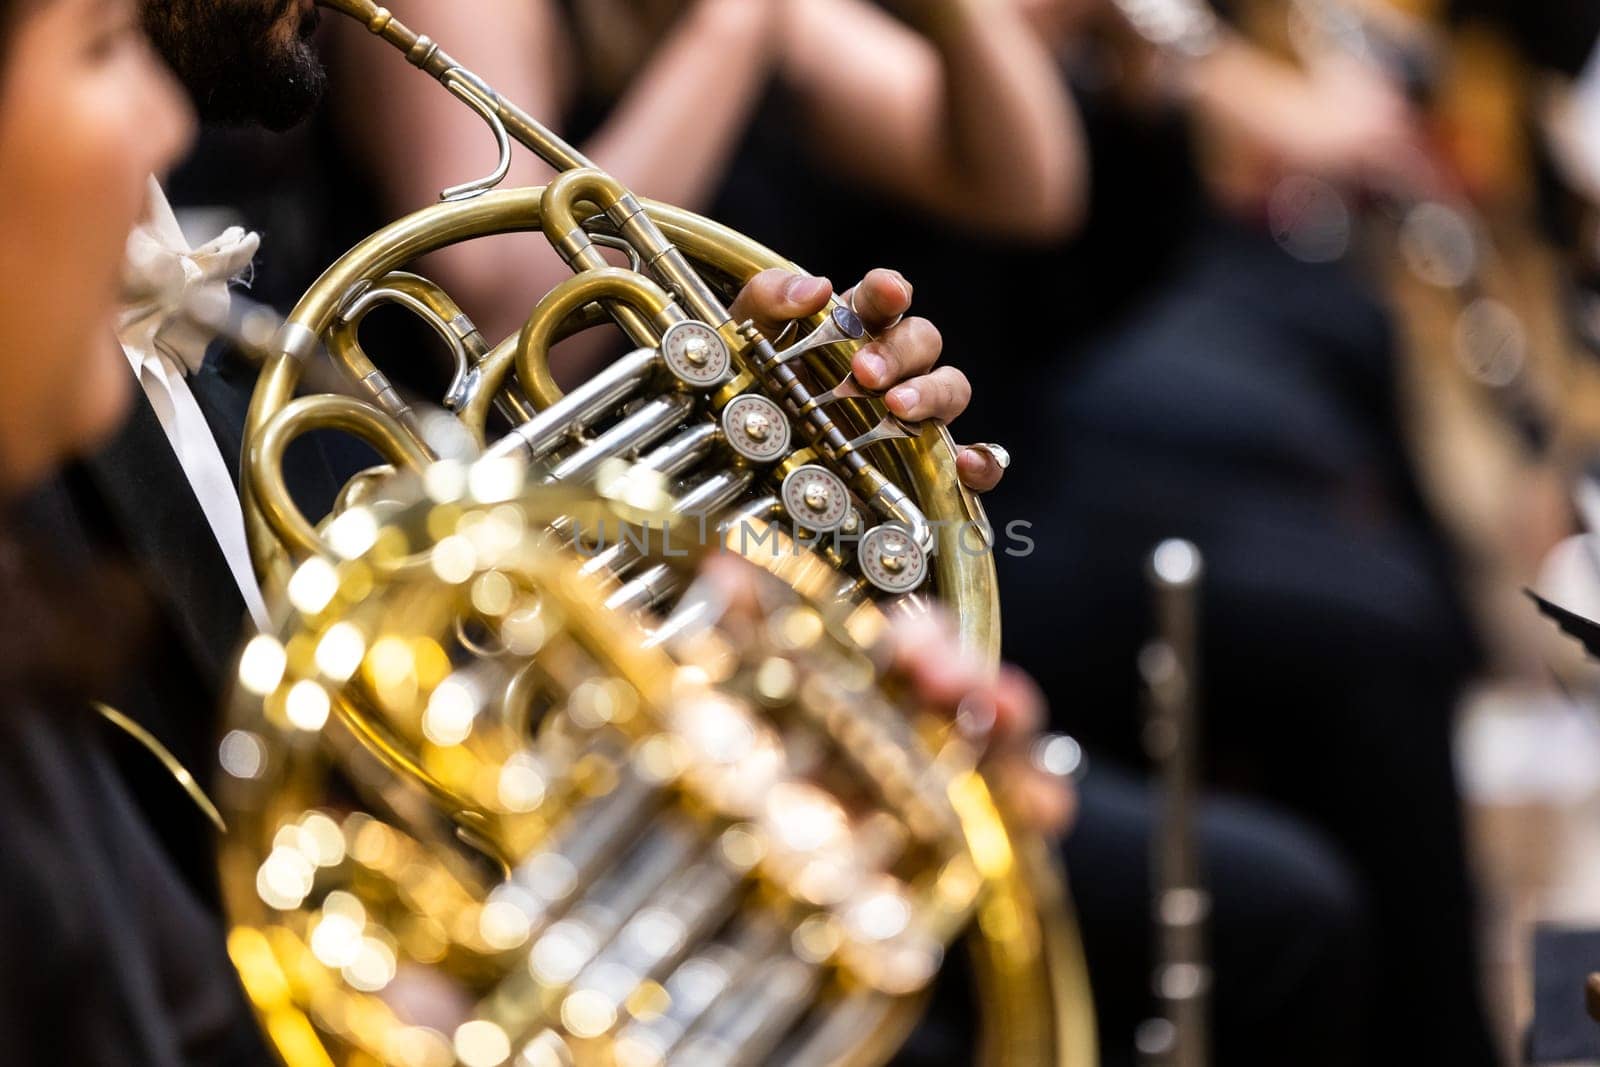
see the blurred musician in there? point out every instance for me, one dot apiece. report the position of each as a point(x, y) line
point(109, 958)
point(1250, 402)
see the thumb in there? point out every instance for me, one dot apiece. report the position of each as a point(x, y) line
point(773, 298)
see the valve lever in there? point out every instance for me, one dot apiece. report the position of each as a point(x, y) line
point(847, 389)
point(889, 428)
point(842, 324)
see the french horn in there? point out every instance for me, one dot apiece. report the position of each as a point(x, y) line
point(477, 812)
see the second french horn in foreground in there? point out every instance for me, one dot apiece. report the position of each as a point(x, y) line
point(508, 786)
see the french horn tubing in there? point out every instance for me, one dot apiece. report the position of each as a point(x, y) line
point(478, 742)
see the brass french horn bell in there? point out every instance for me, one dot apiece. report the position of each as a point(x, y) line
point(478, 816)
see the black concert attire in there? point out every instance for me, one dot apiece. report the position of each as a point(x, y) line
point(1288, 941)
point(132, 505)
point(1559, 35)
point(111, 949)
point(108, 956)
point(1334, 648)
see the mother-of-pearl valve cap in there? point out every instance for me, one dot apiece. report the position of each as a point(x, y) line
point(892, 560)
point(816, 498)
point(695, 354)
point(756, 428)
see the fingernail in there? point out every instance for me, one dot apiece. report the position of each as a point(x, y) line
point(905, 286)
point(873, 365)
point(904, 397)
point(803, 288)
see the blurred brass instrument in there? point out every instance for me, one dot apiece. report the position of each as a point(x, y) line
point(501, 790)
point(479, 815)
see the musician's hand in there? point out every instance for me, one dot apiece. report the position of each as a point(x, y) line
point(1000, 714)
point(1006, 711)
point(900, 362)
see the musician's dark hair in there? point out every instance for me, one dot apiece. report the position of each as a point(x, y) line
point(13, 10)
point(233, 62)
point(10, 11)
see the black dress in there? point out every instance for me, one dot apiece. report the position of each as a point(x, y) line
point(107, 956)
point(111, 952)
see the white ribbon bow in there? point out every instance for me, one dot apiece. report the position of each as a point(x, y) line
point(171, 284)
